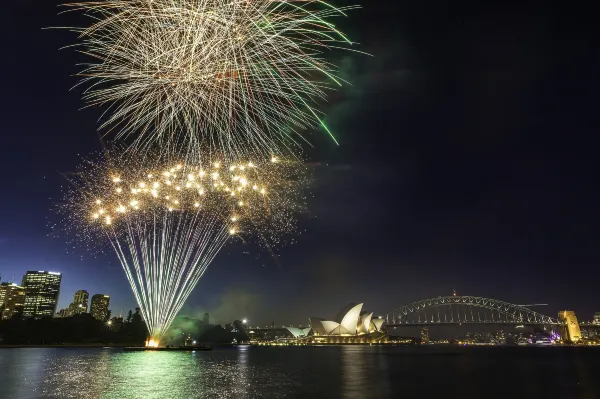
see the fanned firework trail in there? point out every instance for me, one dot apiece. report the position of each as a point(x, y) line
point(192, 81)
point(237, 76)
point(166, 224)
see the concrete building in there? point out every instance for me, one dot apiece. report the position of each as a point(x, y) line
point(12, 300)
point(571, 331)
point(352, 325)
point(3, 289)
point(42, 290)
point(99, 307)
point(79, 304)
point(81, 298)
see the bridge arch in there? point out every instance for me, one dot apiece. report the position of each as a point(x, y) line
point(506, 312)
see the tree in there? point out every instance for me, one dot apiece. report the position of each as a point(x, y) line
point(137, 326)
point(136, 319)
point(129, 316)
point(108, 315)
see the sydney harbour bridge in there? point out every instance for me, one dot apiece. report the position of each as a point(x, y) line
point(453, 309)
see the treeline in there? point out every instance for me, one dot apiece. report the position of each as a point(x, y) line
point(84, 329)
point(79, 329)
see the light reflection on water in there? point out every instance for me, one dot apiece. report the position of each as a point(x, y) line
point(319, 372)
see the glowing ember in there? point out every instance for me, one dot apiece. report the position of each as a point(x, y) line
point(152, 343)
point(168, 219)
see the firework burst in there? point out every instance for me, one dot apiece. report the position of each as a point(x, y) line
point(166, 221)
point(245, 76)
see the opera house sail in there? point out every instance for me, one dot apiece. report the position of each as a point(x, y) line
point(351, 325)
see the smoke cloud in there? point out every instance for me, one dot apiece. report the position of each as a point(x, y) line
point(235, 304)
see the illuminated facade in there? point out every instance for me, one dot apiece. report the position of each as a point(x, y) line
point(299, 332)
point(42, 290)
point(81, 298)
point(571, 332)
point(351, 325)
point(12, 300)
point(79, 304)
point(3, 289)
point(596, 318)
point(99, 307)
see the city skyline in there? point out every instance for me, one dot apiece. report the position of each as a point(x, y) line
point(445, 177)
point(80, 298)
point(102, 310)
point(299, 199)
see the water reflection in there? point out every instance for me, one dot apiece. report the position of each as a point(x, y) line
point(364, 373)
point(21, 376)
point(71, 373)
point(333, 372)
point(150, 375)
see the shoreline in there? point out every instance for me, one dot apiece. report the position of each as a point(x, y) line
point(122, 346)
point(66, 346)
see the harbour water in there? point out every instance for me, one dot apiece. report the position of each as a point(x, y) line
point(302, 372)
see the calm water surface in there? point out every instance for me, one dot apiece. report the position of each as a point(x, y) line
point(310, 372)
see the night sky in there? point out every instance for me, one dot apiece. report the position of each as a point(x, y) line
point(467, 161)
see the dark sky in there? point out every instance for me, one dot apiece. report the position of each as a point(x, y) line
point(467, 161)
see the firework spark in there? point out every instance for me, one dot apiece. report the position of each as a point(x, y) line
point(246, 76)
point(168, 221)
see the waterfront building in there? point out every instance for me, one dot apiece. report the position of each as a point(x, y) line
point(42, 290)
point(269, 334)
point(81, 298)
point(12, 300)
point(79, 304)
point(571, 332)
point(424, 335)
point(351, 325)
point(3, 289)
point(299, 332)
point(596, 318)
point(99, 307)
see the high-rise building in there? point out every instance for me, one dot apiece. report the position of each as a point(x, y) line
point(41, 293)
point(80, 303)
point(571, 332)
point(99, 307)
point(424, 335)
point(12, 300)
point(596, 318)
point(3, 289)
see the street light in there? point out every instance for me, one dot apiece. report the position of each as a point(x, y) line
point(244, 321)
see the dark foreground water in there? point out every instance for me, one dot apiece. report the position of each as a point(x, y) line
point(309, 372)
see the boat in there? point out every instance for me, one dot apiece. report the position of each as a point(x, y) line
point(168, 348)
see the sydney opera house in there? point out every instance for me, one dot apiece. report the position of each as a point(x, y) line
point(351, 325)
